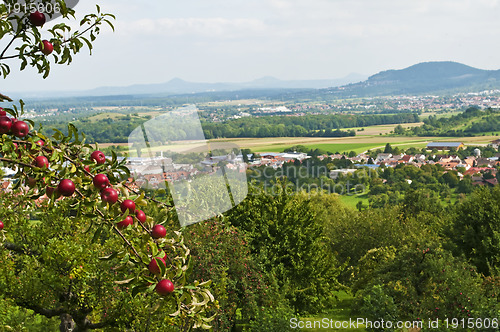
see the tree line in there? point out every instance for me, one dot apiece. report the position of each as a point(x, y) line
point(298, 126)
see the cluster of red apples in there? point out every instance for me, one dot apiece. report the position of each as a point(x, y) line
point(38, 19)
point(109, 195)
point(17, 128)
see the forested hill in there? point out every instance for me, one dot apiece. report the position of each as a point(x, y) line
point(427, 77)
point(472, 122)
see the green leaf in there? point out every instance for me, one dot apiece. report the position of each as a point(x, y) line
point(109, 257)
point(151, 288)
point(139, 289)
point(154, 248)
point(97, 234)
point(150, 280)
point(205, 283)
point(161, 265)
point(58, 135)
point(71, 131)
point(125, 258)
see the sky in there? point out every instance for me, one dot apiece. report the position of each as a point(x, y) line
point(236, 41)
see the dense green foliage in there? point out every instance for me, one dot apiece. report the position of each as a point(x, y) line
point(469, 123)
point(289, 244)
point(475, 230)
point(245, 292)
point(53, 268)
point(400, 266)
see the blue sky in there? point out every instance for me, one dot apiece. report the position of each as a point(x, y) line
point(214, 41)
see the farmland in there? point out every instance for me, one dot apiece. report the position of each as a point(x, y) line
point(341, 144)
point(330, 144)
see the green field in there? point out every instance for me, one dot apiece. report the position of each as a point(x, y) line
point(106, 115)
point(352, 200)
point(358, 144)
point(380, 129)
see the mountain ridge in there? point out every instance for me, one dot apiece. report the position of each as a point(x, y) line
point(176, 86)
point(424, 77)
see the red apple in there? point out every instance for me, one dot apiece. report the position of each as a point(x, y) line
point(46, 47)
point(2, 112)
point(37, 19)
point(5, 124)
point(1, 225)
point(153, 265)
point(98, 157)
point(41, 161)
point(20, 129)
point(129, 205)
point(100, 181)
point(164, 287)
point(125, 222)
point(109, 195)
point(158, 231)
point(66, 187)
point(52, 192)
point(141, 216)
point(87, 168)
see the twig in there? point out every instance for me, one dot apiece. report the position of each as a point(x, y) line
point(16, 162)
point(122, 236)
point(148, 197)
point(10, 43)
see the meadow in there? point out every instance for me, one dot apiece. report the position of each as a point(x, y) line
point(333, 144)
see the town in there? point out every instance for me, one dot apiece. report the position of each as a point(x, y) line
point(154, 171)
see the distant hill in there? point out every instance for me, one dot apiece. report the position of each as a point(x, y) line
point(179, 86)
point(427, 77)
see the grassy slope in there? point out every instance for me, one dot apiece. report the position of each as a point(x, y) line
point(352, 200)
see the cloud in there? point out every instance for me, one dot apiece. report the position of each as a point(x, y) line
point(202, 27)
point(239, 39)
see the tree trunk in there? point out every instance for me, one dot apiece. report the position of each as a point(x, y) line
point(67, 323)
